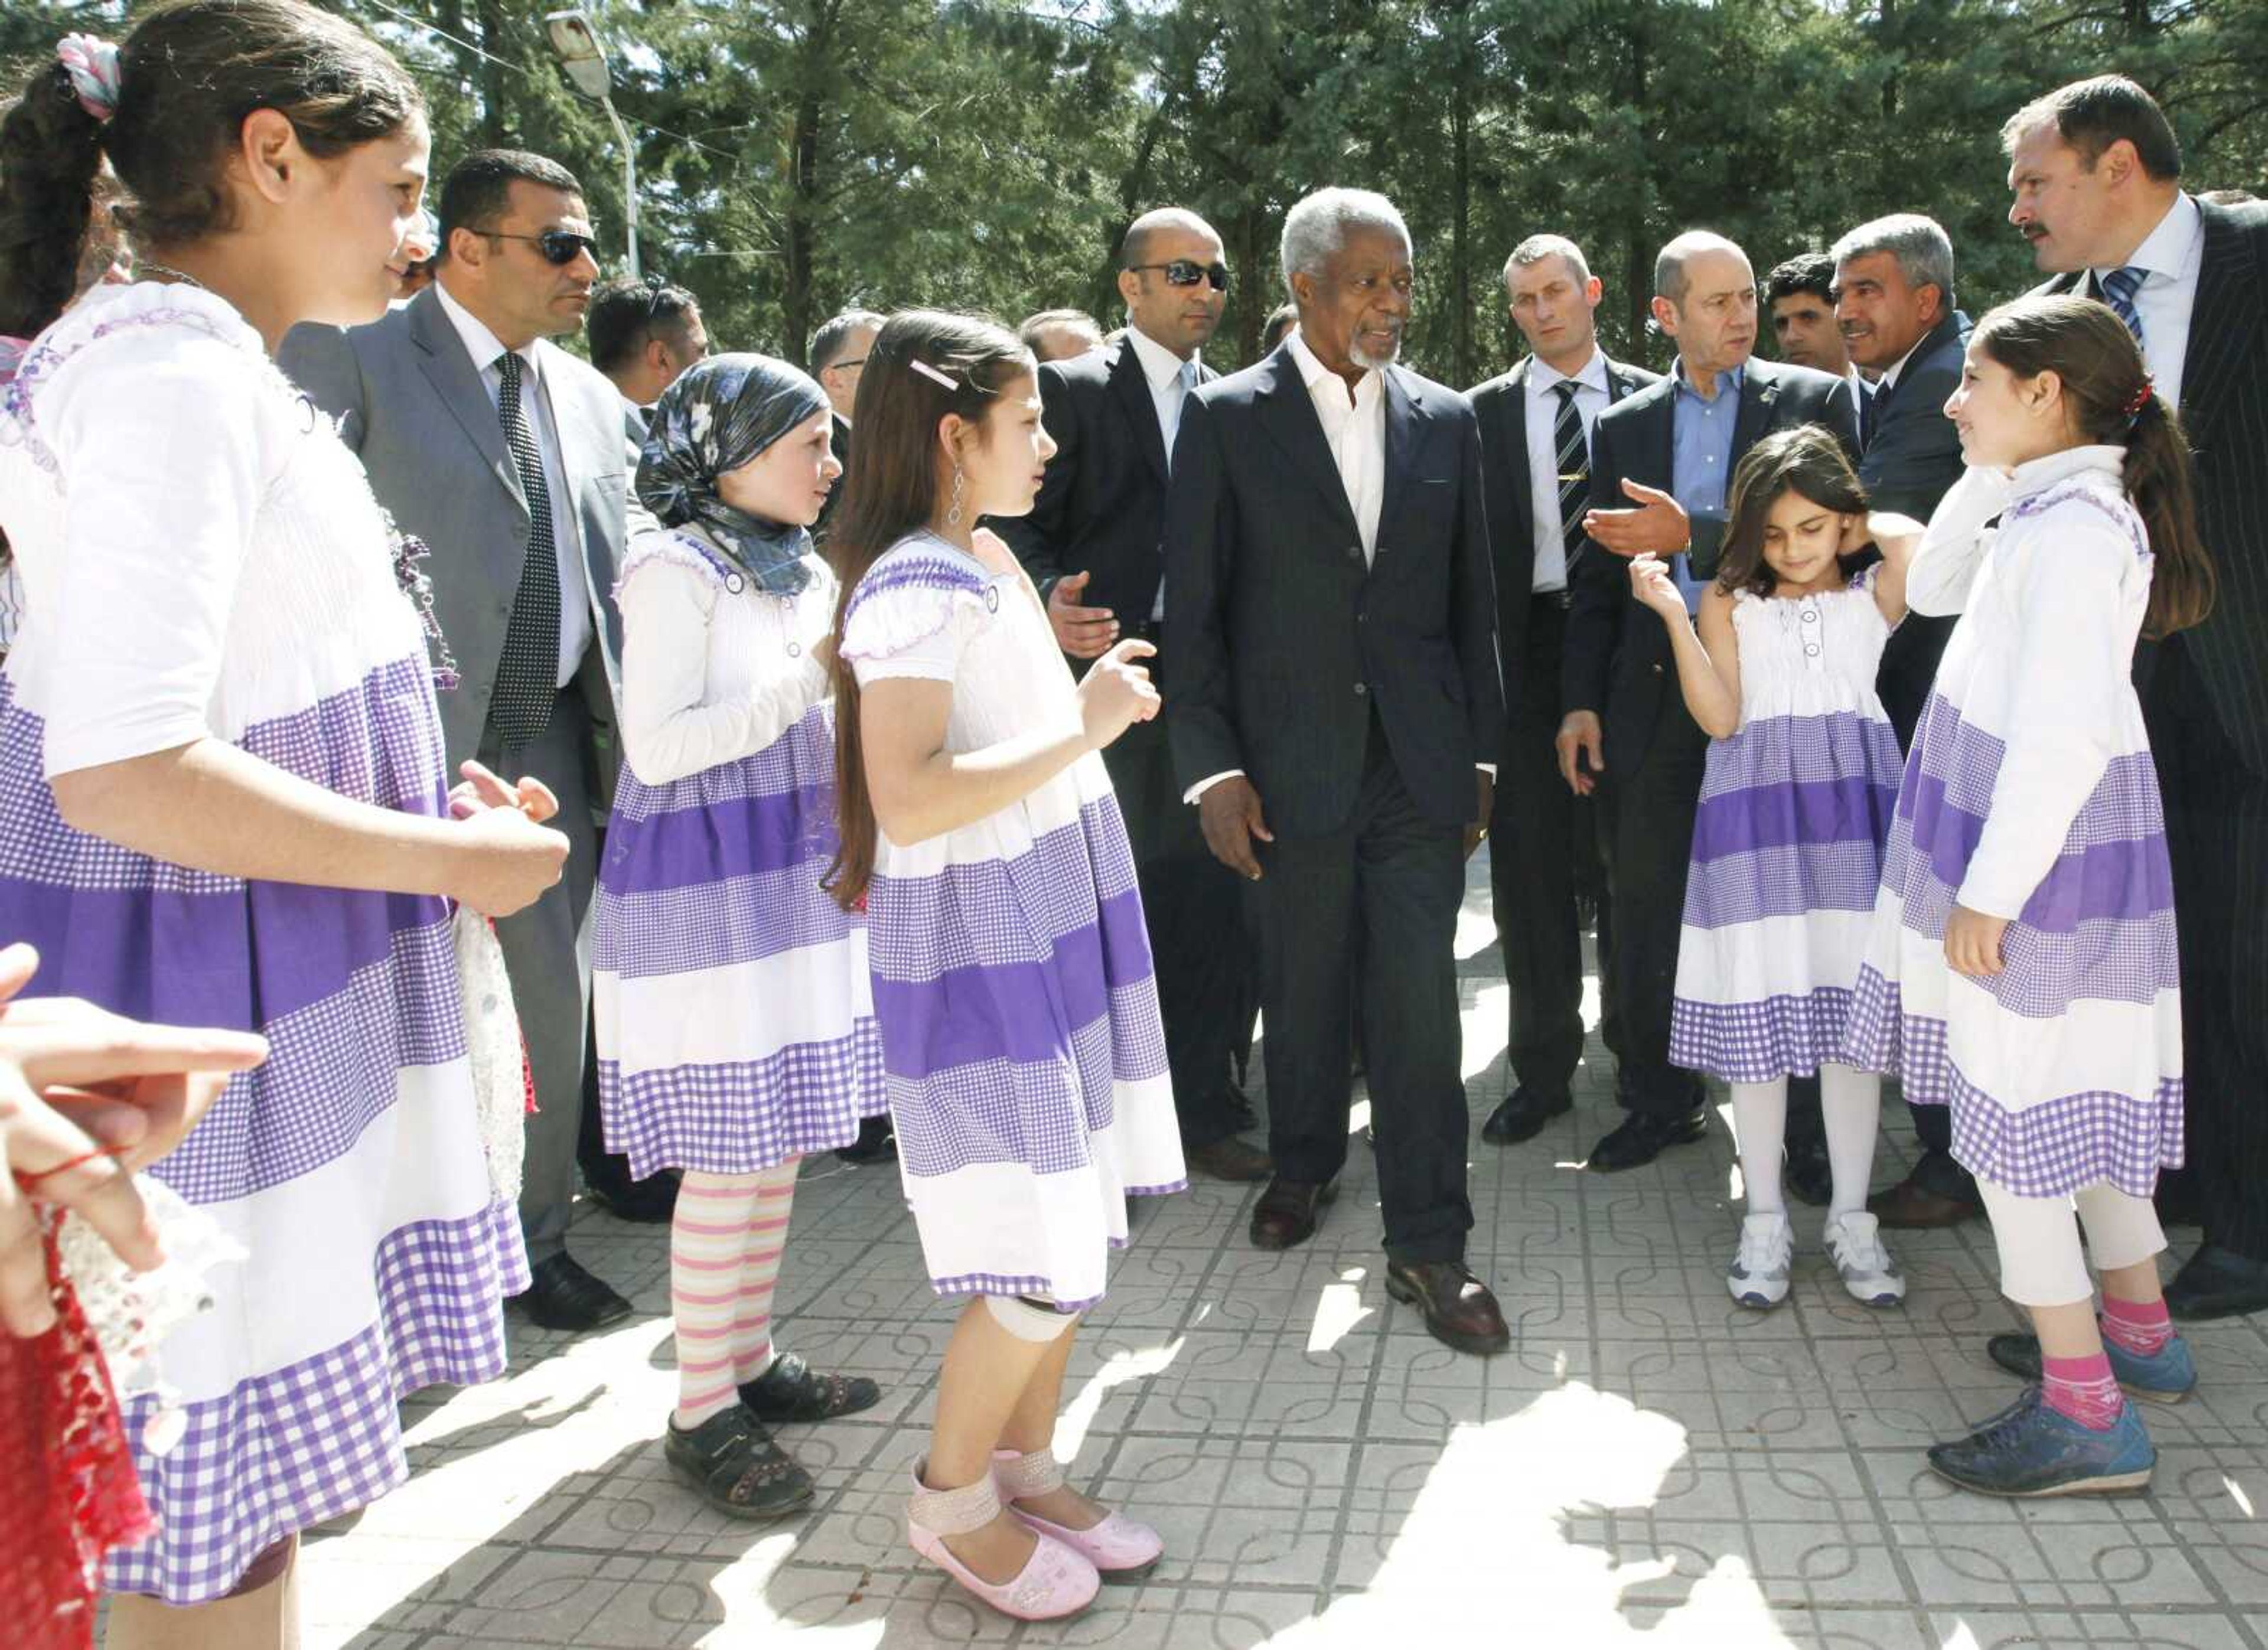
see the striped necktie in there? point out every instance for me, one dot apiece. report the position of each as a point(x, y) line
point(528, 670)
point(1574, 469)
point(2119, 287)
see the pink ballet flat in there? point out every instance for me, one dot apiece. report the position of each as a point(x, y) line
point(1121, 1550)
point(1056, 1582)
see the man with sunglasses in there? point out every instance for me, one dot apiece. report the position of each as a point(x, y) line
point(1093, 544)
point(512, 459)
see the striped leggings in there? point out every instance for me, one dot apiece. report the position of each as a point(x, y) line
point(724, 1247)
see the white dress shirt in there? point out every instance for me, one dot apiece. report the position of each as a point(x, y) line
point(2170, 257)
point(1591, 394)
point(1354, 428)
point(1170, 379)
point(575, 629)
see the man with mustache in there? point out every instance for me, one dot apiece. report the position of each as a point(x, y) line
point(1335, 713)
point(1660, 462)
point(512, 459)
point(2095, 170)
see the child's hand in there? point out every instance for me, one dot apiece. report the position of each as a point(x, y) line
point(1972, 942)
point(1897, 536)
point(1653, 587)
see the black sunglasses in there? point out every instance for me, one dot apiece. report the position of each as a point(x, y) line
point(560, 246)
point(1188, 272)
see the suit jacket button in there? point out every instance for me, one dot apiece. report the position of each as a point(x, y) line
point(1354, 552)
point(1361, 688)
point(1656, 669)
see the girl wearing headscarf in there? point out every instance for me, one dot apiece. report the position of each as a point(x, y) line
point(735, 1019)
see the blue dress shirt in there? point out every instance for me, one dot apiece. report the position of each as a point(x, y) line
point(1701, 460)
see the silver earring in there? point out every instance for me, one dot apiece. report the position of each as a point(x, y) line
point(952, 511)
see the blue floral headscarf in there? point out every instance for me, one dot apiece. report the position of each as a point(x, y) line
point(721, 413)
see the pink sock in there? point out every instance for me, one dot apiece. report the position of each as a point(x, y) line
point(2140, 1327)
point(2082, 1388)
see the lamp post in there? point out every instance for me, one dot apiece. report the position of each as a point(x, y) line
point(576, 44)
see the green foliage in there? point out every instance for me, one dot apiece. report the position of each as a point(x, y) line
point(795, 156)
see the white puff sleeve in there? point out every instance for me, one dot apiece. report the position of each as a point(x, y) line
point(914, 615)
point(158, 453)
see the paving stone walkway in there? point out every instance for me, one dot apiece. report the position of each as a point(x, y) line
point(1651, 1465)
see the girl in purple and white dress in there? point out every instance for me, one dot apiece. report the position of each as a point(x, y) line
point(1787, 843)
point(2022, 968)
point(221, 771)
point(735, 1025)
point(1025, 1058)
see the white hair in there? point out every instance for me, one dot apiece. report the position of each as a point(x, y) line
point(1317, 227)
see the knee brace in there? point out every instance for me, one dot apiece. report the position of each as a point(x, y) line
point(1032, 1320)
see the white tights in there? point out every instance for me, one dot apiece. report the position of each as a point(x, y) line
point(1852, 1101)
point(2041, 1262)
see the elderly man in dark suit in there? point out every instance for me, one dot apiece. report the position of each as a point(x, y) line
point(1335, 706)
point(1093, 544)
point(1536, 428)
point(2096, 173)
point(1893, 302)
point(512, 460)
point(1661, 461)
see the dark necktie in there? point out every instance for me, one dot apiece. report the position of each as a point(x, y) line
point(1574, 469)
point(1870, 412)
point(528, 675)
point(2119, 287)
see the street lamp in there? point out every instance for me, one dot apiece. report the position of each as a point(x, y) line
point(576, 44)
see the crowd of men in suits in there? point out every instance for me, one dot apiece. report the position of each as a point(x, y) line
point(1390, 618)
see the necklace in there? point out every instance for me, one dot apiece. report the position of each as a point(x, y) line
point(146, 266)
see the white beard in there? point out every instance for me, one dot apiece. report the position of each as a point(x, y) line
point(1371, 362)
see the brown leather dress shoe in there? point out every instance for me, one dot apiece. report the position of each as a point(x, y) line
point(1228, 1159)
point(1288, 1212)
point(1911, 1207)
point(1460, 1311)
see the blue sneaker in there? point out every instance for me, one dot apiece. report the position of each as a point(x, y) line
point(2167, 1376)
point(2029, 1450)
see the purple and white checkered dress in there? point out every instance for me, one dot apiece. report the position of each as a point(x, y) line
point(1025, 1057)
point(1787, 845)
point(735, 1020)
point(2031, 796)
point(203, 559)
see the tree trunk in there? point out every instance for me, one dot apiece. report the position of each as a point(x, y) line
point(1638, 262)
point(488, 74)
point(1461, 131)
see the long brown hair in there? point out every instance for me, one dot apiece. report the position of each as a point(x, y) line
point(1807, 461)
point(894, 486)
point(2085, 345)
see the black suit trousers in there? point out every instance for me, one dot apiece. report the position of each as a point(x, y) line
point(1196, 936)
point(1381, 893)
point(1647, 837)
point(2217, 830)
point(1543, 853)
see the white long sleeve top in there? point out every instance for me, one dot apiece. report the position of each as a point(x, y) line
point(714, 669)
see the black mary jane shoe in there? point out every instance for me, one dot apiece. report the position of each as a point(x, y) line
point(731, 1463)
point(792, 1391)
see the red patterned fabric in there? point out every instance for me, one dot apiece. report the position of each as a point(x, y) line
point(68, 1490)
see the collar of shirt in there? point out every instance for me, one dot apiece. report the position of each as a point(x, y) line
point(1890, 379)
point(2170, 249)
point(482, 344)
point(1313, 372)
point(1543, 376)
point(1161, 365)
point(1727, 383)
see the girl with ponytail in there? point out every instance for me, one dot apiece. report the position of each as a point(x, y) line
point(220, 761)
point(2023, 968)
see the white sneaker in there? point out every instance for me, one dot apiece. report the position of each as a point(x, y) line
point(1869, 1272)
point(1758, 1274)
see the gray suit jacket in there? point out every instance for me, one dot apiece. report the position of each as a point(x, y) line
point(409, 400)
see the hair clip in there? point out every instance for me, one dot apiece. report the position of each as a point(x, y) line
point(931, 373)
point(93, 65)
point(2139, 399)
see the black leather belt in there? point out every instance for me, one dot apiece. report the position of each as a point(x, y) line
point(1562, 600)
